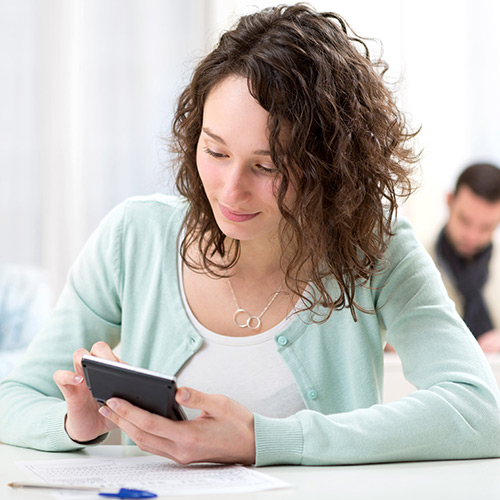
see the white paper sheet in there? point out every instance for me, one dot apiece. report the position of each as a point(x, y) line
point(152, 473)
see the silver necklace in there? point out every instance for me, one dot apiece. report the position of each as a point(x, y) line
point(252, 322)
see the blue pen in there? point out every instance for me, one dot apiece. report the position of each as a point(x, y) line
point(123, 493)
point(126, 493)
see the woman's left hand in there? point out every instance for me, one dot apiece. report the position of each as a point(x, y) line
point(223, 433)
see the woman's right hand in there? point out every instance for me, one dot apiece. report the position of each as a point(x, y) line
point(83, 420)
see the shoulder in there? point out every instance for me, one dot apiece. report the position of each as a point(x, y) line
point(406, 237)
point(164, 206)
point(403, 238)
point(156, 214)
point(407, 276)
point(406, 251)
point(494, 274)
point(143, 214)
point(136, 224)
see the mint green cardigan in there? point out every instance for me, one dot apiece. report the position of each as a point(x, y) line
point(124, 288)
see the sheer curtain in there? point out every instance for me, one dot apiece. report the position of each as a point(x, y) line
point(87, 89)
point(86, 94)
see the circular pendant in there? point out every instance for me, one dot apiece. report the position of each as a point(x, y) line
point(237, 313)
point(252, 322)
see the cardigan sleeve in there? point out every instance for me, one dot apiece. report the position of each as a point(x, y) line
point(32, 409)
point(453, 414)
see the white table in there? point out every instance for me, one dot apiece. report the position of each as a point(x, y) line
point(454, 480)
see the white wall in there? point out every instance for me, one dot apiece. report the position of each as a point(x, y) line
point(87, 88)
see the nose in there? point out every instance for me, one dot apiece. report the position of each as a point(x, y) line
point(472, 235)
point(236, 188)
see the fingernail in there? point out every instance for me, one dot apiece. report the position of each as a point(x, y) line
point(185, 395)
point(78, 379)
point(112, 404)
point(104, 411)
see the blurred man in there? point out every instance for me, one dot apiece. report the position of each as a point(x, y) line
point(467, 252)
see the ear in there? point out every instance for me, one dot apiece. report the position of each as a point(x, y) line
point(449, 199)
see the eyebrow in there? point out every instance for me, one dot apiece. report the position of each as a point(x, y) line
point(218, 138)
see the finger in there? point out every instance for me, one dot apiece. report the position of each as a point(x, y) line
point(159, 452)
point(77, 360)
point(68, 382)
point(102, 350)
point(147, 430)
point(143, 419)
point(66, 377)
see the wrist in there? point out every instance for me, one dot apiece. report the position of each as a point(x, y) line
point(89, 442)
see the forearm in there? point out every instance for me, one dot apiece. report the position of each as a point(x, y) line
point(32, 420)
point(32, 408)
point(445, 422)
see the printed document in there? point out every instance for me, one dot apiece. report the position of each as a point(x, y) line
point(152, 473)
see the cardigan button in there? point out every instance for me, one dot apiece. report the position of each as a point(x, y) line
point(312, 394)
point(282, 340)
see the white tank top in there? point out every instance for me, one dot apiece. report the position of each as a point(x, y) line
point(246, 369)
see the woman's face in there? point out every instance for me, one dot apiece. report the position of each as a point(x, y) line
point(235, 165)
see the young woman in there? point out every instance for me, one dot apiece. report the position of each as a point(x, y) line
point(269, 286)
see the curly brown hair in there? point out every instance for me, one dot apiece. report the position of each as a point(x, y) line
point(346, 153)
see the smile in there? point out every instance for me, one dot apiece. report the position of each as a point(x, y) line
point(235, 216)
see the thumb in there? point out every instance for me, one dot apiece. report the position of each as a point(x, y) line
point(191, 398)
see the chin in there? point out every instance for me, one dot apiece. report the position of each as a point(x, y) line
point(235, 230)
point(239, 234)
point(467, 253)
point(230, 231)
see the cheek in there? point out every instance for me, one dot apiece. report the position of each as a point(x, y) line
point(267, 193)
point(456, 226)
point(487, 236)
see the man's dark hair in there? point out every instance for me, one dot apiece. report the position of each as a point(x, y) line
point(483, 179)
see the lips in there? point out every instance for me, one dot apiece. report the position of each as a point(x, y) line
point(236, 216)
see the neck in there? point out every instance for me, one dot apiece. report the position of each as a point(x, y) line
point(258, 260)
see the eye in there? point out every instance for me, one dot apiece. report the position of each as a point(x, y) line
point(214, 154)
point(266, 170)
